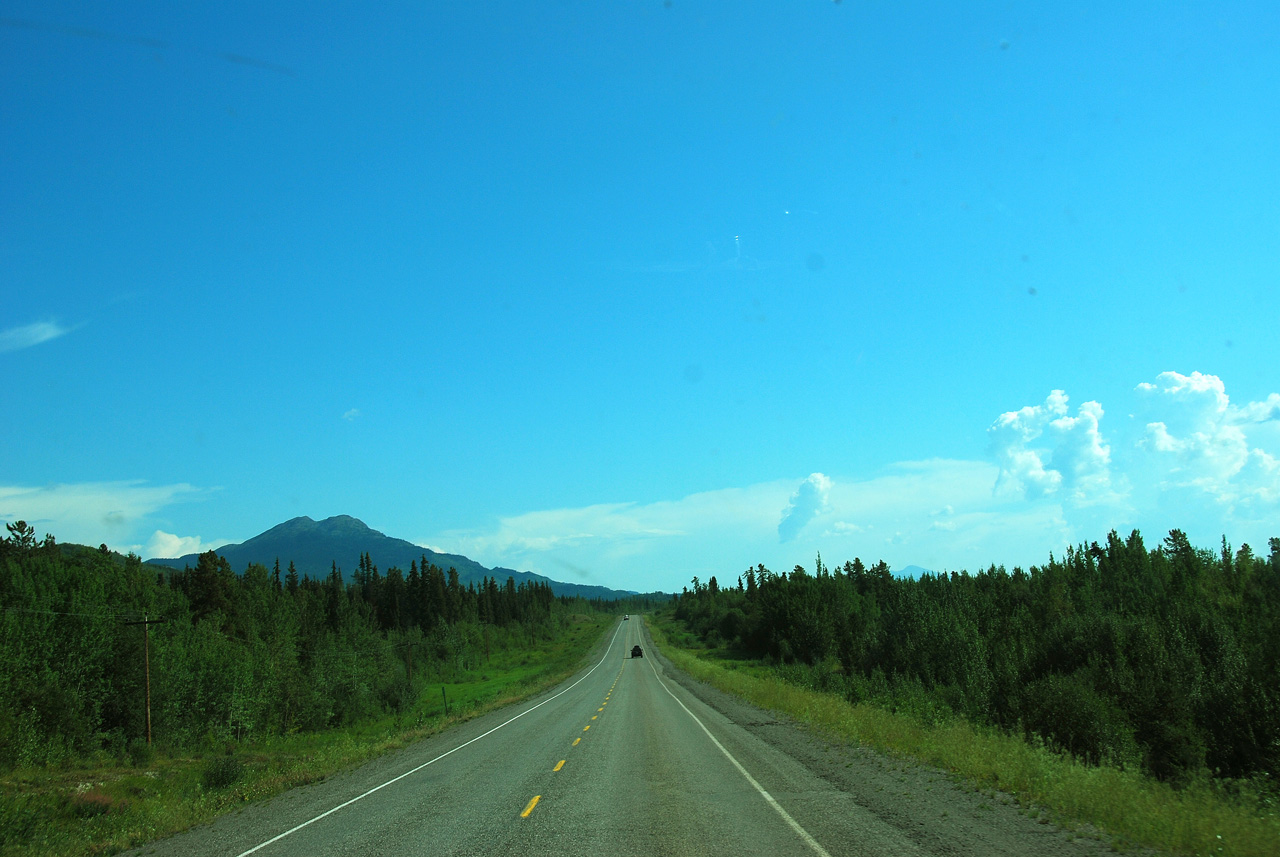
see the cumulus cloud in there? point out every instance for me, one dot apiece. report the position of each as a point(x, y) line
point(1042, 450)
point(1082, 455)
point(164, 545)
point(1205, 444)
point(17, 338)
point(809, 501)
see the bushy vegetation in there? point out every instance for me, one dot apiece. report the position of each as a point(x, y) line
point(1164, 659)
point(239, 657)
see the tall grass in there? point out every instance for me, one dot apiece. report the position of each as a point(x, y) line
point(1132, 809)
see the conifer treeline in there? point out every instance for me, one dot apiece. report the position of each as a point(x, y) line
point(1166, 658)
point(240, 655)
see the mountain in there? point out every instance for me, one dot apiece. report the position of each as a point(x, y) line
point(314, 546)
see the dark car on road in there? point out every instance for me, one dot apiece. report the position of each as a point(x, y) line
point(637, 652)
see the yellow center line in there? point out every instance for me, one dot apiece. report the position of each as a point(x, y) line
point(600, 709)
point(585, 728)
point(594, 716)
point(528, 809)
point(575, 741)
point(559, 765)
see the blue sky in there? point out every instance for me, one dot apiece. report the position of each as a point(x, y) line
point(628, 292)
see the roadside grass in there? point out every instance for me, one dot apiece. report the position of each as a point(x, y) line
point(105, 805)
point(1131, 809)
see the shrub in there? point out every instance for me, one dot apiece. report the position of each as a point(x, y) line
point(1067, 712)
point(221, 771)
point(141, 754)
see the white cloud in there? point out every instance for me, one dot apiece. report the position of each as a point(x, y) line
point(643, 546)
point(90, 512)
point(1022, 468)
point(351, 415)
point(1042, 450)
point(616, 525)
point(808, 501)
point(1203, 444)
point(1260, 412)
point(1191, 459)
point(17, 338)
point(168, 546)
point(1082, 455)
point(1064, 476)
point(662, 545)
point(844, 528)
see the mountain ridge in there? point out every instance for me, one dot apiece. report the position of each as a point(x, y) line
point(316, 547)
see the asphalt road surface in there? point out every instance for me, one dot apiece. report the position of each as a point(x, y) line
point(629, 757)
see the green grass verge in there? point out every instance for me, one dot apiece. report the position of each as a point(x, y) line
point(1132, 809)
point(108, 807)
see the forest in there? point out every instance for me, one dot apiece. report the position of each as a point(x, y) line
point(232, 656)
point(1164, 658)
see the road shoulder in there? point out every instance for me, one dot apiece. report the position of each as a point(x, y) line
point(934, 809)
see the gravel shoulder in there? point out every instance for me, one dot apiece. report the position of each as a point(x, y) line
point(938, 812)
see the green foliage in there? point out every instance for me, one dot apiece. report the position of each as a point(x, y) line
point(1164, 659)
point(239, 657)
point(1072, 716)
point(53, 810)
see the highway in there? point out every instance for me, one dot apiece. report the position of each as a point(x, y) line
point(621, 759)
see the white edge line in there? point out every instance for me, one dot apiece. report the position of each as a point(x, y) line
point(795, 825)
point(293, 830)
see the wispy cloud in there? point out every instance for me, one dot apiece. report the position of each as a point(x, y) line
point(17, 338)
point(661, 545)
point(351, 415)
point(91, 512)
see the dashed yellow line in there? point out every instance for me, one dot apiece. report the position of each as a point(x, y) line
point(528, 809)
point(559, 765)
point(585, 728)
point(575, 741)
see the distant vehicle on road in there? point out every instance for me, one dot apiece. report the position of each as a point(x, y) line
point(637, 652)
point(627, 616)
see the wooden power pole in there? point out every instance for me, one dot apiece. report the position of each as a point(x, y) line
point(146, 624)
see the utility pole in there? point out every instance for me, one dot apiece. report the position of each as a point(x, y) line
point(146, 624)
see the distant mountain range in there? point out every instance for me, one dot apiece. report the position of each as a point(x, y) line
point(314, 547)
